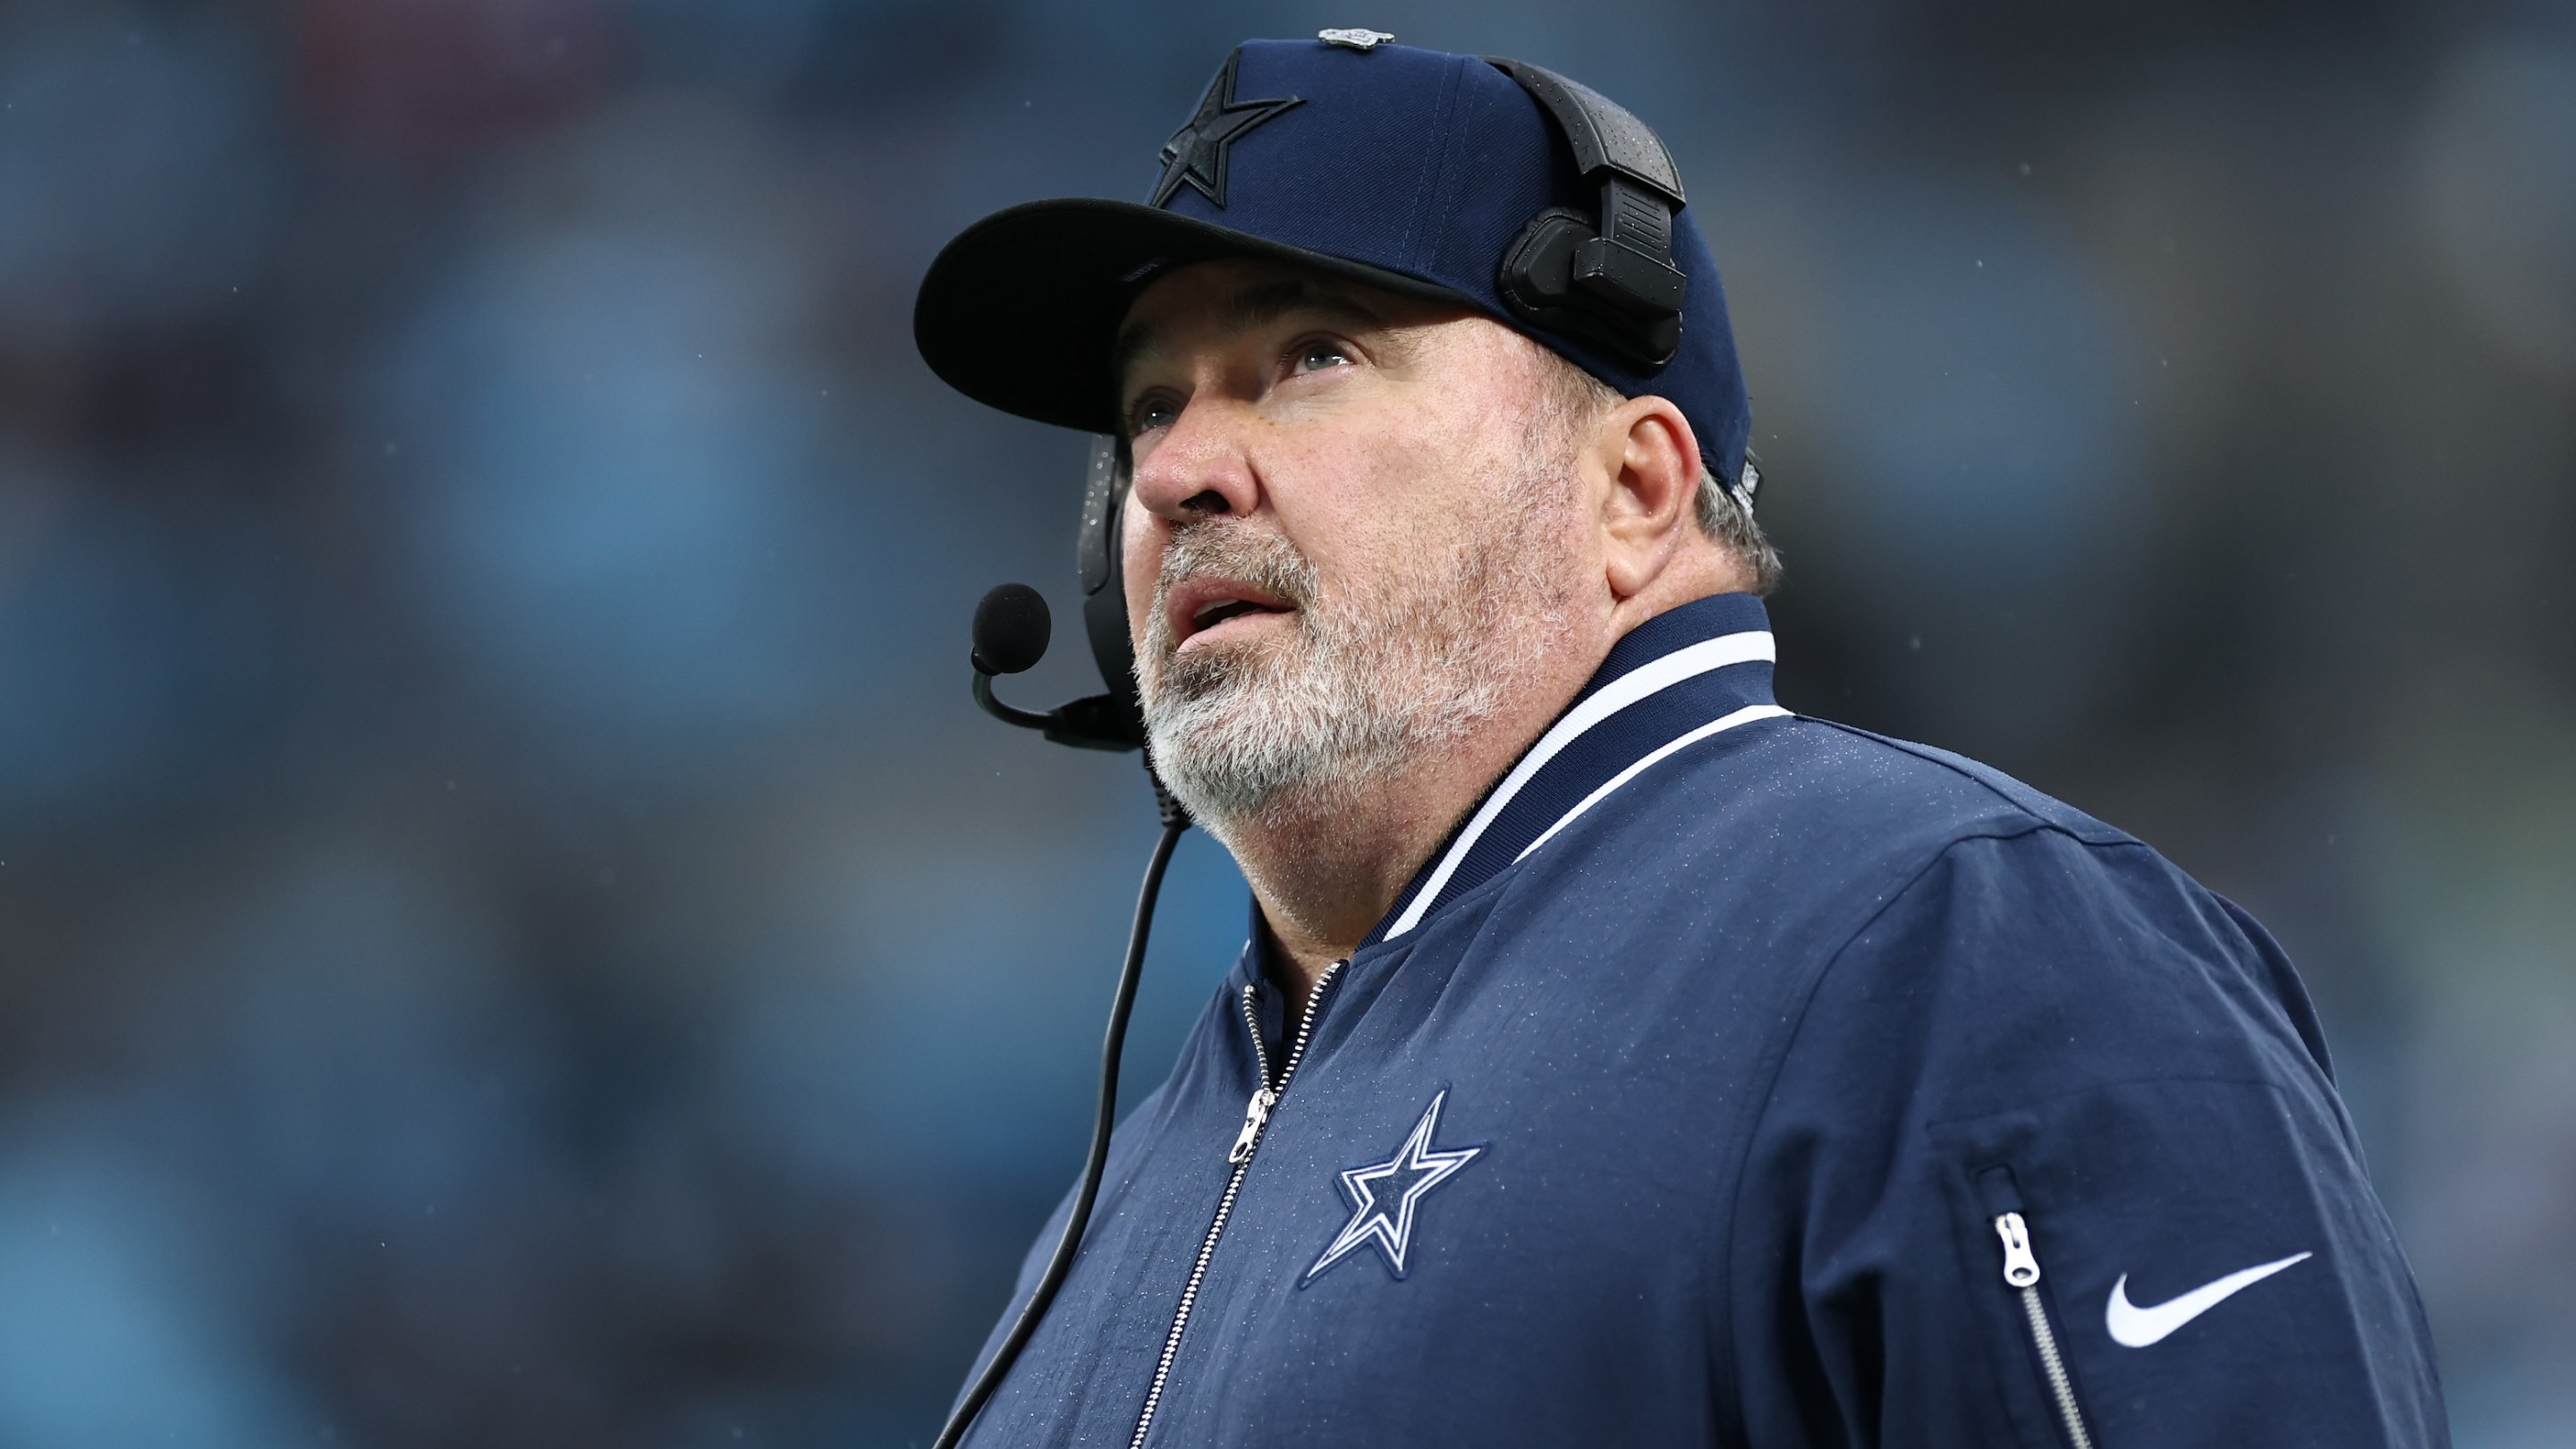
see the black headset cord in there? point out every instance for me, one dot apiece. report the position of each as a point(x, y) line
point(1175, 821)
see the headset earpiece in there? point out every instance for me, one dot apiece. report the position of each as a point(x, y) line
point(1104, 489)
point(1537, 280)
point(1104, 584)
point(1607, 276)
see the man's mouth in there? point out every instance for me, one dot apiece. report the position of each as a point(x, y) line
point(1207, 605)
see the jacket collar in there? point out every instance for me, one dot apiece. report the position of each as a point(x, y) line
point(1674, 680)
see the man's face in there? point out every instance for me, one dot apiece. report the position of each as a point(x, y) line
point(1353, 528)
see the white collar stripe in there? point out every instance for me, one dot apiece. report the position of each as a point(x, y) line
point(1650, 678)
point(1744, 716)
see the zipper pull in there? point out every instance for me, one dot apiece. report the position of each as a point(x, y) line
point(1256, 1115)
point(2021, 1269)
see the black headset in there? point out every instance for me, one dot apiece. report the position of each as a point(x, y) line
point(1605, 276)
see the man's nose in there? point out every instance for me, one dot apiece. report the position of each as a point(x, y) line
point(1199, 465)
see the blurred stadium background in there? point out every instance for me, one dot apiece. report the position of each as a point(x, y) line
point(511, 932)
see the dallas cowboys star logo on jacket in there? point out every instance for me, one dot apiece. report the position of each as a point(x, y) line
point(1384, 1194)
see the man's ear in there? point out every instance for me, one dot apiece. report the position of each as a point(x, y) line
point(1650, 513)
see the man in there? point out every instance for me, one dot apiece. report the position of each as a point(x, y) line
point(1618, 1059)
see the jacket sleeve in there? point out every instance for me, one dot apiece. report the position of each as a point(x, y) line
point(2052, 1157)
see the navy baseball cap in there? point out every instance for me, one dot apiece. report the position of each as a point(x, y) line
point(1406, 169)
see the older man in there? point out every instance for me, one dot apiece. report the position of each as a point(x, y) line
point(1618, 1059)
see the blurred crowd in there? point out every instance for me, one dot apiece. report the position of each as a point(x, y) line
point(511, 932)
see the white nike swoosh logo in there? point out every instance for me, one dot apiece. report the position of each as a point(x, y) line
point(2135, 1327)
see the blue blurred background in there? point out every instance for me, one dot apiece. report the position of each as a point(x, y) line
point(511, 932)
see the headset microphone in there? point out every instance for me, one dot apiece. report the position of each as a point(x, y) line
point(1012, 628)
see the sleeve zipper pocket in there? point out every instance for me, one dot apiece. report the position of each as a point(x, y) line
point(2021, 1274)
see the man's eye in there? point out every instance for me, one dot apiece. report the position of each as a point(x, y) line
point(1151, 413)
point(1316, 356)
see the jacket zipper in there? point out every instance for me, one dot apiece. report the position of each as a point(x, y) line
point(2021, 1272)
point(1256, 1118)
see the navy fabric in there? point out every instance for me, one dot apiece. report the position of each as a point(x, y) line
point(1693, 1127)
point(1413, 162)
point(1626, 736)
point(1679, 628)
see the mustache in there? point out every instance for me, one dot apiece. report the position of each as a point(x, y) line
point(1243, 552)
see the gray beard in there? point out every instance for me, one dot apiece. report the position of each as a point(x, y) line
point(1366, 684)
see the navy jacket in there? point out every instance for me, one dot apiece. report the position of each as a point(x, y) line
point(1737, 1078)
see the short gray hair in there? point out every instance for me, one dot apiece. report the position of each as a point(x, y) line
point(1724, 513)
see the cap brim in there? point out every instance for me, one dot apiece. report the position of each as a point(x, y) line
point(1021, 309)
